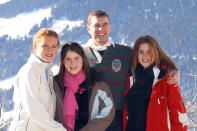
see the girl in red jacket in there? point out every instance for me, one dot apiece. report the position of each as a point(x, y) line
point(153, 103)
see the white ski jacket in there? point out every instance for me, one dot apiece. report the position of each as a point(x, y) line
point(34, 99)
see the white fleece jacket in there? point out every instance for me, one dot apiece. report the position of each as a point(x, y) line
point(34, 99)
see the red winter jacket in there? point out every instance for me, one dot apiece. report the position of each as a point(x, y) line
point(166, 110)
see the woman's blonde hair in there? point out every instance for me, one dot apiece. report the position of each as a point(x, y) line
point(44, 32)
point(157, 54)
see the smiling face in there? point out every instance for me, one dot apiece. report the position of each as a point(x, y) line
point(46, 48)
point(145, 57)
point(73, 62)
point(99, 28)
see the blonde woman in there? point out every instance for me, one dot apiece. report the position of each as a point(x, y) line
point(34, 98)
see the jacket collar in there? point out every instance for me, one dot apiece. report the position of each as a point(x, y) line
point(159, 73)
point(100, 48)
point(156, 72)
point(34, 59)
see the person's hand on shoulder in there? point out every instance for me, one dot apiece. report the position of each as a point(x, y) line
point(174, 77)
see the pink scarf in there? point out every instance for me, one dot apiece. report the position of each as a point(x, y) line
point(72, 83)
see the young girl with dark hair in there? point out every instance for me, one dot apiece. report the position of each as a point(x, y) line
point(83, 102)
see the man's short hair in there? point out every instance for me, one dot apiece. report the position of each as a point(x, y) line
point(97, 13)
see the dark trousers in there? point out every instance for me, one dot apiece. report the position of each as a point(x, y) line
point(117, 124)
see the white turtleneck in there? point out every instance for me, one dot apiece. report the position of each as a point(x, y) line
point(97, 48)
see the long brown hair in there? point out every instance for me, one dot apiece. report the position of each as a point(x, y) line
point(159, 57)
